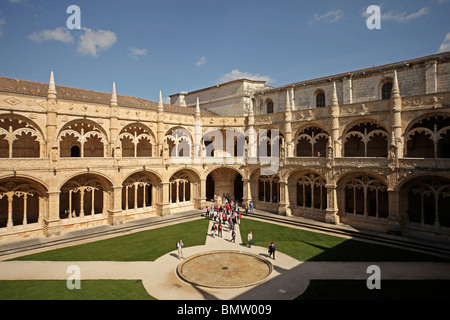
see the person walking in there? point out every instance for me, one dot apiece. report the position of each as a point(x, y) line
point(213, 229)
point(220, 229)
point(272, 250)
point(180, 246)
point(250, 239)
point(233, 236)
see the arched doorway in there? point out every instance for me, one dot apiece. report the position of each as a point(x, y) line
point(224, 182)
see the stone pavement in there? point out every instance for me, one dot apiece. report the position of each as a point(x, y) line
point(289, 277)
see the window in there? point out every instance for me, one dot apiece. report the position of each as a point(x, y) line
point(270, 107)
point(320, 100)
point(75, 152)
point(386, 90)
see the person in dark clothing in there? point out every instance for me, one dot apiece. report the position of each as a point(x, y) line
point(272, 250)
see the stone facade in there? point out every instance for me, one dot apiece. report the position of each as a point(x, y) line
point(372, 151)
point(226, 99)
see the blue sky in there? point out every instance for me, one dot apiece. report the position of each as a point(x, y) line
point(174, 46)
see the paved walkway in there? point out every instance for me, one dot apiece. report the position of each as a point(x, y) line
point(289, 277)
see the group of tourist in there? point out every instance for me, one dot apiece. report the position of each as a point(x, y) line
point(223, 215)
point(228, 216)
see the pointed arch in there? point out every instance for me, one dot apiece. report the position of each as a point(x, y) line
point(87, 135)
point(366, 139)
point(137, 140)
point(429, 137)
point(20, 138)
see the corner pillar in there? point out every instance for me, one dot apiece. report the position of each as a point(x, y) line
point(51, 221)
point(331, 215)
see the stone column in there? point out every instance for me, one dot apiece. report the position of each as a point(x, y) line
point(200, 202)
point(289, 152)
point(52, 223)
point(9, 224)
point(396, 117)
point(331, 215)
point(247, 194)
point(115, 213)
point(335, 123)
point(394, 219)
point(284, 205)
point(113, 121)
point(160, 126)
point(163, 203)
point(51, 135)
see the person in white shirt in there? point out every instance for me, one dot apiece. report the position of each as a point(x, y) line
point(180, 249)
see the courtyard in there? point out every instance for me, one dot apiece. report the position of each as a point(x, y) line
point(143, 265)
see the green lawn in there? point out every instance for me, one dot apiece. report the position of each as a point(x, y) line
point(313, 246)
point(140, 246)
point(57, 290)
point(151, 244)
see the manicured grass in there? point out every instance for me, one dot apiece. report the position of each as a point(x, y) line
point(89, 290)
point(149, 245)
point(141, 246)
point(313, 246)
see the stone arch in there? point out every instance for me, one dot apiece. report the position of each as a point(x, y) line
point(428, 136)
point(362, 194)
point(20, 137)
point(265, 190)
point(184, 187)
point(89, 136)
point(23, 201)
point(267, 145)
point(311, 141)
point(140, 191)
point(365, 138)
point(178, 143)
point(224, 181)
point(308, 195)
point(137, 140)
point(425, 200)
point(84, 195)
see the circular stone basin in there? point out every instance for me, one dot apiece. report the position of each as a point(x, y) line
point(224, 269)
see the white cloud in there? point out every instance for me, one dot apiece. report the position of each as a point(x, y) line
point(135, 53)
point(91, 42)
point(200, 61)
point(2, 22)
point(236, 74)
point(404, 16)
point(59, 34)
point(330, 16)
point(445, 45)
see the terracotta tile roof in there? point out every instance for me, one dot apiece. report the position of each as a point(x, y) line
point(24, 87)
